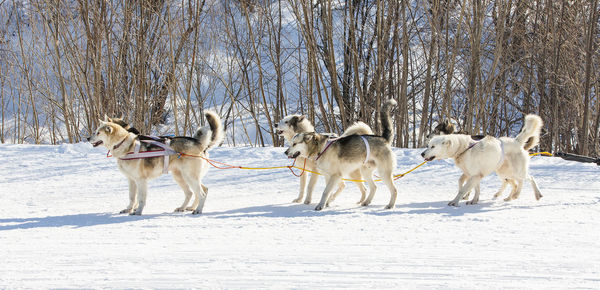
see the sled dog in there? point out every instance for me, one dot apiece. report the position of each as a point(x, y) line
point(341, 157)
point(121, 122)
point(291, 125)
point(507, 156)
point(187, 171)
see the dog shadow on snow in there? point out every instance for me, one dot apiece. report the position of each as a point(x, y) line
point(278, 211)
point(301, 210)
point(74, 221)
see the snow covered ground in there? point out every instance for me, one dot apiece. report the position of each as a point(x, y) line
point(59, 227)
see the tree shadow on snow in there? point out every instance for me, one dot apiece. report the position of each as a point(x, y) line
point(75, 220)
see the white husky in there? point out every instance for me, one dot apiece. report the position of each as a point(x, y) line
point(508, 157)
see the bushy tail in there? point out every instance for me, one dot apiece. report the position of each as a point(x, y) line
point(213, 134)
point(386, 122)
point(529, 136)
point(358, 128)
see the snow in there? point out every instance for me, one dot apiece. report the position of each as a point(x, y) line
point(60, 228)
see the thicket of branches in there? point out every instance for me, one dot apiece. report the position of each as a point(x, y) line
point(64, 64)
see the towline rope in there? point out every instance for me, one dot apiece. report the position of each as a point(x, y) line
point(541, 153)
point(290, 167)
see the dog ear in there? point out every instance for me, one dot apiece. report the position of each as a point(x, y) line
point(301, 118)
point(308, 137)
point(106, 118)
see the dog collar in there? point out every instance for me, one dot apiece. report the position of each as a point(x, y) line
point(119, 144)
point(329, 142)
point(470, 146)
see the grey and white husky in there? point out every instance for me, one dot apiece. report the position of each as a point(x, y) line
point(291, 125)
point(187, 171)
point(351, 153)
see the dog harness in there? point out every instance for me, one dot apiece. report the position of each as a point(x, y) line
point(166, 151)
point(331, 141)
point(368, 149)
point(501, 153)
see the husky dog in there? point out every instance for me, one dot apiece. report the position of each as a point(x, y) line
point(187, 171)
point(291, 125)
point(121, 122)
point(350, 153)
point(508, 157)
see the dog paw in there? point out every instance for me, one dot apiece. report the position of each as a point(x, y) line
point(307, 201)
point(125, 211)
point(297, 200)
point(471, 202)
point(180, 209)
point(198, 211)
point(389, 206)
point(453, 203)
point(319, 207)
point(136, 213)
point(508, 199)
point(189, 208)
point(364, 203)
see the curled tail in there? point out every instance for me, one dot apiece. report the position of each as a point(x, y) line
point(529, 136)
point(213, 134)
point(386, 121)
point(358, 128)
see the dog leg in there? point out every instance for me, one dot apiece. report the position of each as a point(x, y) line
point(389, 181)
point(341, 187)
point(363, 191)
point(193, 180)
point(513, 184)
point(132, 195)
point(475, 199)
point(502, 188)
point(471, 182)
point(186, 190)
point(311, 185)
point(516, 192)
point(356, 175)
point(302, 186)
point(197, 199)
point(461, 182)
point(142, 190)
point(331, 182)
point(367, 174)
point(536, 189)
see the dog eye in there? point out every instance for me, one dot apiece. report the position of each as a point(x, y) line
point(432, 146)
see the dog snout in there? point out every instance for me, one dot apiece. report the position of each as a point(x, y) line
point(286, 152)
point(423, 154)
point(276, 124)
point(88, 138)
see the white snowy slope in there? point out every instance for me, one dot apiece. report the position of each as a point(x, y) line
point(60, 227)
